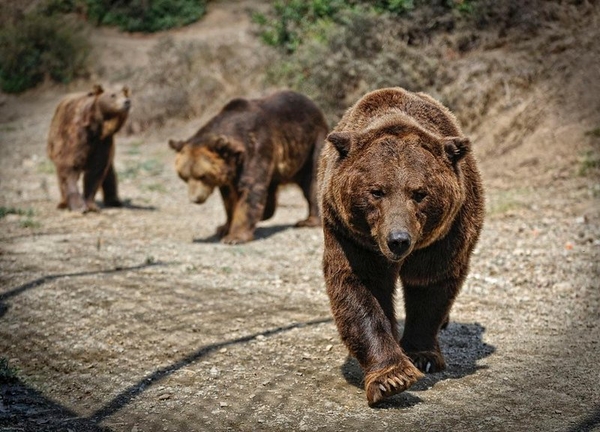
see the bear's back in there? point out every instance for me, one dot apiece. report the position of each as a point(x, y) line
point(278, 115)
point(426, 111)
point(67, 121)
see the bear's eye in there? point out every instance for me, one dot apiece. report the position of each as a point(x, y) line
point(377, 193)
point(419, 196)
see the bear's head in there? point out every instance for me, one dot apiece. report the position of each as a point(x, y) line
point(112, 103)
point(206, 164)
point(395, 186)
point(108, 111)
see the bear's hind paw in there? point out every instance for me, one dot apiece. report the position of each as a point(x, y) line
point(428, 361)
point(387, 382)
point(310, 222)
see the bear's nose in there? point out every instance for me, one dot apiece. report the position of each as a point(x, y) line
point(127, 103)
point(398, 242)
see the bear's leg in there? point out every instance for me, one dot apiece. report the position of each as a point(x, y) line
point(427, 310)
point(247, 211)
point(229, 196)
point(307, 180)
point(109, 188)
point(62, 184)
point(99, 163)
point(361, 288)
point(91, 183)
point(70, 196)
point(271, 202)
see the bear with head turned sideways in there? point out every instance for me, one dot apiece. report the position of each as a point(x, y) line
point(401, 198)
point(81, 141)
point(249, 149)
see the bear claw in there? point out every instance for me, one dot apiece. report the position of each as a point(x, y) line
point(428, 361)
point(387, 382)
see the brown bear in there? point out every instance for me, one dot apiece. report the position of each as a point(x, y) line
point(81, 141)
point(247, 150)
point(400, 195)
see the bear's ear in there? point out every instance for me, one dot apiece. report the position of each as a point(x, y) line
point(456, 148)
point(96, 90)
point(221, 143)
point(228, 147)
point(342, 141)
point(176, 145)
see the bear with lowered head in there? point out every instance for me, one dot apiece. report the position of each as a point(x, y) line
point(401, 198)
point(249, 149)
point(81, 141)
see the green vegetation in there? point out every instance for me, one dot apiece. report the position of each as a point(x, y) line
point(150, 167)
point(588, 162)
point(46, 166)
point(12, 210)
point(41, 46)
point(594, 132)
point(335, 50)
point(48, 42)
point(29, 222)
point(505, 201)
point(26, 222)
point(157, 187)
point(293, 22)
point(8, 374)
point(145, 15)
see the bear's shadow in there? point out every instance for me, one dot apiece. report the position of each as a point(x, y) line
point(462, 346)
point(259, 233)
point(127, 204)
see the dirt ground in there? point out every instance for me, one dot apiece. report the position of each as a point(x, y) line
point(138, 319)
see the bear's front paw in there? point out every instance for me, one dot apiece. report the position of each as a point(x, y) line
point(90, 207)
point(238, 238)
point(384, 383)
point(76, 203)
point(222, 230)
point(428, 361)
point(311, 221)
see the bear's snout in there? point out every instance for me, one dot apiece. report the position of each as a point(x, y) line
point(127, 103)
point(198, 192)
point(399, 242)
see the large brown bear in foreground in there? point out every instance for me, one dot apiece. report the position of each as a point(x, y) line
point(81, 141)
point(247, 150)
point(400, 195)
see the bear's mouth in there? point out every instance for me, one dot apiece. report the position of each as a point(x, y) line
point(198, 192)
point(395, 257)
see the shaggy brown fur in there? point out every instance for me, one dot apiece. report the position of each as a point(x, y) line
point(81, 141)
point(400, 195)
point(248, 150)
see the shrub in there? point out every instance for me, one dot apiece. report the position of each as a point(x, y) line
point(361, 54)
point(145, 15)
point(41, 46)
point(290, 20)
point(8, 374)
